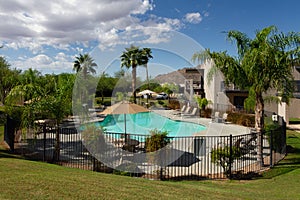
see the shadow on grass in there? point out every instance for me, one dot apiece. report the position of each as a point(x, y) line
point(290, 163)
point(8, 154)
point(294, 122)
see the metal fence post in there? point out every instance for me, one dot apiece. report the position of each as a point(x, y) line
point(44, 142)
point(271, 148)
point(230, 156)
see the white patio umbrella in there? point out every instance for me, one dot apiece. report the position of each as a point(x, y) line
point(146, 92)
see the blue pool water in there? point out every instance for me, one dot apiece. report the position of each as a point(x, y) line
point(142, 123)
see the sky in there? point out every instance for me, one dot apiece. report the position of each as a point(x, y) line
point(47, 35)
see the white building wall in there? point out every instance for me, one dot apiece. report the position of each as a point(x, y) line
point(213, 88)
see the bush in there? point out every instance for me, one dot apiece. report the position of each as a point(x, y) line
point(206, 112)
point(107, 103)
point(276, 131)
point(160, 102)
point(174, 104)
point(241, 119)
point(221, 156)
point(157, 140)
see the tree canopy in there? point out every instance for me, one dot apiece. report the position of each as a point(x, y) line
point(263, 63)
point(133, 57)
point(85, 64)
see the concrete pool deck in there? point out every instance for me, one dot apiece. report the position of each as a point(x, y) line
point(213, 128)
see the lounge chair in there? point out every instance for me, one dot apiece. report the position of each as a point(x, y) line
point(215, 117)
point(187, 111)
point(246, 145)
point(181, 111)
point(193, 113)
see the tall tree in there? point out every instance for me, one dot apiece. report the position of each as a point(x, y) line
point(57, 105)
point(263, 63)
point(28, 89)
point(147, 55)
point(9, 78)
point(84, 63)
point(105, 86)
point(133, 57)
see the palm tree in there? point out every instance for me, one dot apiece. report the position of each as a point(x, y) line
point(147, 55)
point(263, 63)
point(29, 88)
point(133, 57)
point(84, 63)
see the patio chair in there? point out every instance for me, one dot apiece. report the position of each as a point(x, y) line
point(187, 111)
point(224, 117)
point(193, 113)
point(215, 117)
point(246, 146)
point(181, 111)
point(130, 145)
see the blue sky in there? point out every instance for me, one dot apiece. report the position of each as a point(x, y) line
point(48, 35)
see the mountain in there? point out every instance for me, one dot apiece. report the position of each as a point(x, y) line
point(178, 77)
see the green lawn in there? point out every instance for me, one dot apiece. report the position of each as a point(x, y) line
point(23, 179)
point(294, 121)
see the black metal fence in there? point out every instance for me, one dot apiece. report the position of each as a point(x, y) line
point(194, 157)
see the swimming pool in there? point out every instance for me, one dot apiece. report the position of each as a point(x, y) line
point(142, 123)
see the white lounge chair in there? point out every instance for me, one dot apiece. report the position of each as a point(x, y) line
point(187, 111)
point(181, 111)
point(224, 117)
point(215, 117)
point(193, 113)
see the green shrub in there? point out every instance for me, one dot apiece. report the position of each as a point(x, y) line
point(221, 156)
point(98, 100)
point(93, 138)
point(276, 134)
point(2, 117)
point(107, 103)
point(160, 102)
point(157, 140)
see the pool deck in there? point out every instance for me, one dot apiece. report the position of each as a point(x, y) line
point(213, 128)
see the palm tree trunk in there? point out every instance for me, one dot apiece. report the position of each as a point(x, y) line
point(259, 123)
point(148, 96)
point(147, 77)
point(134, 82)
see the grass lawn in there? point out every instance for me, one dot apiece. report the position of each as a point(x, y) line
point(23, 179)
point(294, 121)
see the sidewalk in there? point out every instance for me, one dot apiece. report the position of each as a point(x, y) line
point(213, 129)
point(295, 127)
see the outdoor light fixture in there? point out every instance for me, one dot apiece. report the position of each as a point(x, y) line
point(274, 117)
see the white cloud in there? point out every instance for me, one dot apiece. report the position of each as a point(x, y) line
point(68, 27)
point(41, 60)
point(44, 63)
point(193, 18)
point(61, 56)
point(33, 24)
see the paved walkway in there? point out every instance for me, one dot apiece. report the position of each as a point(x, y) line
point(213, 129)
point(295, 127)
